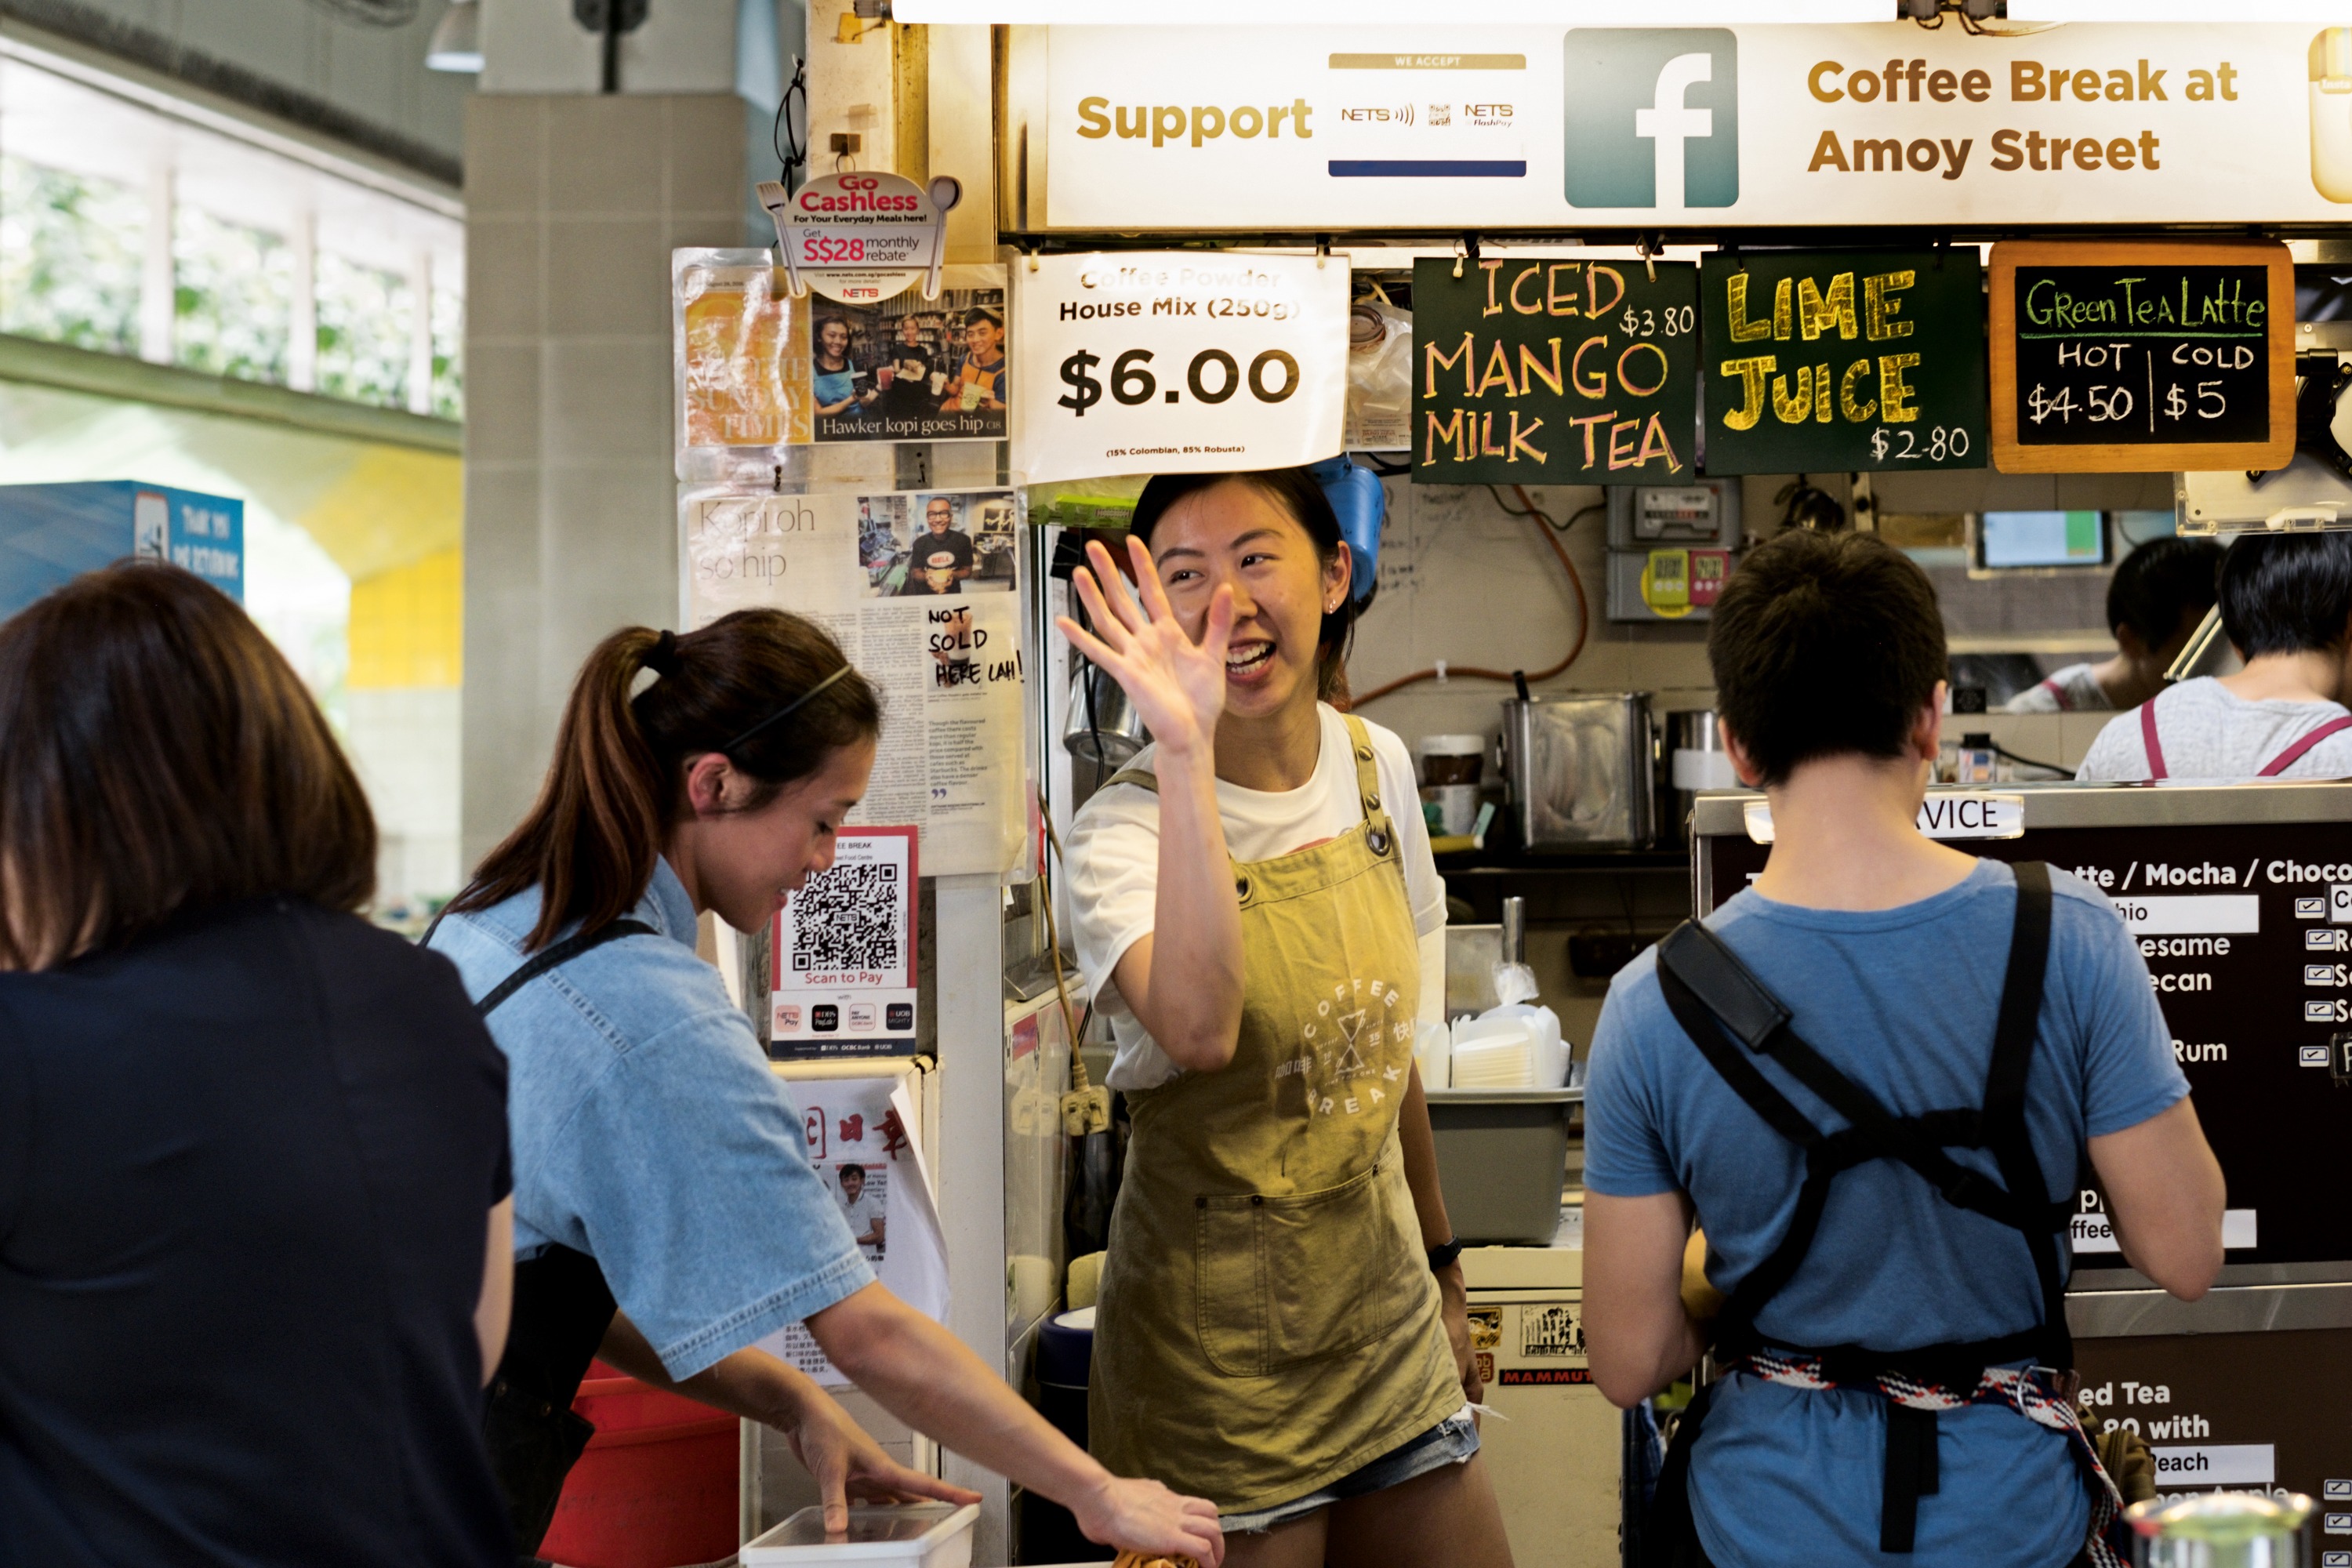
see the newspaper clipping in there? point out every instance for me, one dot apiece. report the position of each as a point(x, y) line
point(860, 1143)
point(916, 586)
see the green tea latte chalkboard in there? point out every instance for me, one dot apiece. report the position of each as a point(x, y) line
point(1845, 360)
point(2130, 357)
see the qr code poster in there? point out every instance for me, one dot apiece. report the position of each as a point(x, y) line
point(844, 953)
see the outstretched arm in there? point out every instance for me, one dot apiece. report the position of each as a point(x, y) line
point(1179, 687)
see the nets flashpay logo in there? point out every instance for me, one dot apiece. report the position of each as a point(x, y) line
point(1652, 118)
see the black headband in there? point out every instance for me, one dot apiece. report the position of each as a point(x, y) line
point(786, 711)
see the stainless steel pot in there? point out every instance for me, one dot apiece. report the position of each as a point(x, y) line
point(1580, 769)
point(1107, 732)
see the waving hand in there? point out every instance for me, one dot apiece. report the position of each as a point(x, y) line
point(1176, 684)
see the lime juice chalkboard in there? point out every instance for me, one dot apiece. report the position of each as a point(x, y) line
point(1843, 359)
point(2130, 357)
point(1547, 370)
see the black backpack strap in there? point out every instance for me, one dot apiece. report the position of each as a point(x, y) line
point(1733, 994)
point(2006, 1132)
point(556, 956)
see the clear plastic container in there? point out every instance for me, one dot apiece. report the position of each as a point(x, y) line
point(906, 1535)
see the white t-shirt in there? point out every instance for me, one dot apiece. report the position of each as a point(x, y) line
point(2207, 731)
point(2073, 689)
point(1114, 864)
point(861, 1216)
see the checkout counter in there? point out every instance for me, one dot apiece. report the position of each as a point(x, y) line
point(2240, 899)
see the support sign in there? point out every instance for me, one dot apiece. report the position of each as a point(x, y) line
point(1175, 129)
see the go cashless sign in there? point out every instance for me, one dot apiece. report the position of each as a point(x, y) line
point(2246, 931)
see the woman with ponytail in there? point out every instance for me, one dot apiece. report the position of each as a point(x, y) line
point(665, 1214)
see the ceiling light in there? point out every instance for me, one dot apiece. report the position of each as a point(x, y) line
point(456, 42)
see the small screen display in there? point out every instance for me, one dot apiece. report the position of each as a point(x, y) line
point(2007, 540)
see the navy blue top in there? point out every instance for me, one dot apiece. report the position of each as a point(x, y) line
point(245, 1165)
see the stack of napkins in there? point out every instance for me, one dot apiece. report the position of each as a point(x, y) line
point(1500, 1054)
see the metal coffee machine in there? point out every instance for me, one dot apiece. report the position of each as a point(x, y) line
point(1581, 769)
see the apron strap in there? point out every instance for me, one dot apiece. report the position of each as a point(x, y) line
point(1141, 778)
point(556, 957)
point(2293, 753)
point(2147, 738)
point(1367, 772)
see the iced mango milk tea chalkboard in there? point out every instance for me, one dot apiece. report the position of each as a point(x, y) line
point(2135, 357)
point(1845, 360)
point(1554, 371)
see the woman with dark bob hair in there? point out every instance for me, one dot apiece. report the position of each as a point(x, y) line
point(254, 1216)
point(667, 1216)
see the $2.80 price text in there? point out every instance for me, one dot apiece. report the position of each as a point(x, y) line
point(1212, 377)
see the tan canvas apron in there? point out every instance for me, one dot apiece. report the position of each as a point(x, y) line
point(1268, 1322)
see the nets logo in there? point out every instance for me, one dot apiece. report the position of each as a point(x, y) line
point(1652, 118)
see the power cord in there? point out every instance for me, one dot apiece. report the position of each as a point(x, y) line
point(1551, 533)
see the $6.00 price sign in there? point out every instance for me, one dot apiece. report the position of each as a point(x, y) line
point(1178, 362)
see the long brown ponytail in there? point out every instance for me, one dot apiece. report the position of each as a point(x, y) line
point(616, 782)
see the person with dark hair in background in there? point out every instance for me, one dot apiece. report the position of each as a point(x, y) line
point(1282, 1326)
point(2156, 601)
point(667, 1216)
point(2286, 608)
point(1891, 1360)
point(254, 1211)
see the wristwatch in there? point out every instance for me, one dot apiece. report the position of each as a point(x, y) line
point(1442, 1257)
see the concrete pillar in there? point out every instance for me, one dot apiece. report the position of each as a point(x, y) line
point(574, 203)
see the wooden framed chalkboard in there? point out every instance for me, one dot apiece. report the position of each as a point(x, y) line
point(2124, 356)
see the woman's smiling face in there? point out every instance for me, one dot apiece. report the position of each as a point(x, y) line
point(1234, 534)
point(834, 338)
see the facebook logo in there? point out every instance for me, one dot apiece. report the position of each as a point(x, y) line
point(1652, 118)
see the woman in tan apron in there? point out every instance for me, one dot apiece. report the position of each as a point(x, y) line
point(1281, 1326)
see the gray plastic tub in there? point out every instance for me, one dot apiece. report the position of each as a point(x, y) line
point(1502, 1159)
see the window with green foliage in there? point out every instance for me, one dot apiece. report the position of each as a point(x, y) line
point(449, 351)
point(364, 331)
point(69, 256)
point(232, 297)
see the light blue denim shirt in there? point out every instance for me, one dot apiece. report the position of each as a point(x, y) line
point(649, 1134)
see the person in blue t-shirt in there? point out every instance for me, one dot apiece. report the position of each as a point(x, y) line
point(1938, 1431)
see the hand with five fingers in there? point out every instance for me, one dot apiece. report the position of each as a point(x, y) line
point(1178, 685)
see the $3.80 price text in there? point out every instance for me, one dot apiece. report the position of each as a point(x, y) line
point(1212, 377)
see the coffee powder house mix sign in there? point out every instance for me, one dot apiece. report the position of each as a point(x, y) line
point(1849, 360)
point(1547, 370)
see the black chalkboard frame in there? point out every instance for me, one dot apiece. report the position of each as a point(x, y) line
point(2010, 456)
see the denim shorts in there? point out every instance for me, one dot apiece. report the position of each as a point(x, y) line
point(1451, 1442)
